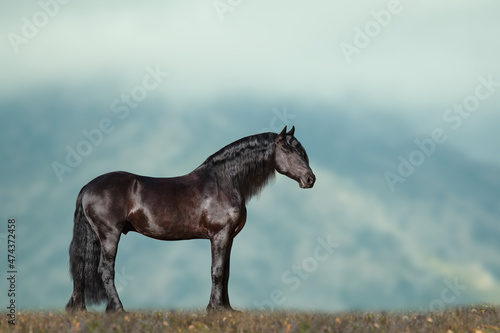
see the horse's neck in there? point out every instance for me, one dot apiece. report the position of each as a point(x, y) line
point(248, 174)
point(255, 178)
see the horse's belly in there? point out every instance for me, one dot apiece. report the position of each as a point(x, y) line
point(167, 226)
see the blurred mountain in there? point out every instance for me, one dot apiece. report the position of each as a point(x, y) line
point(398, 249)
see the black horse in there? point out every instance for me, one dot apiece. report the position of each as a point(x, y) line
point(208, 203)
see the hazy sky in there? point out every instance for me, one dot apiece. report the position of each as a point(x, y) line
point(423, 56)
point(368, 84)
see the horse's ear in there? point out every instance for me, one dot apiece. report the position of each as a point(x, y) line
point(292, 131)
point(281, 136)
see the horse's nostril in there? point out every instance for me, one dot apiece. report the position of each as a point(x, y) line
point(311, 180)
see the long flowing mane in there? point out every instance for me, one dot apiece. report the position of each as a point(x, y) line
point(248, 164)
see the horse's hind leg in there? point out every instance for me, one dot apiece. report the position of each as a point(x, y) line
point(109, 248)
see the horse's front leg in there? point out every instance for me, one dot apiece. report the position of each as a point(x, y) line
point(221, 252)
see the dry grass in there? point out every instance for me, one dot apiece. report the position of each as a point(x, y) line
point(468, 319)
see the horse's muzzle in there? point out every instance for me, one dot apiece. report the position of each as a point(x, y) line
point(307, 181)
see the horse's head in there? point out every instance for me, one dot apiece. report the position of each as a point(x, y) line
point(292, 160)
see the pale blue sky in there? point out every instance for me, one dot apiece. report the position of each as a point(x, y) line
point(174, 81)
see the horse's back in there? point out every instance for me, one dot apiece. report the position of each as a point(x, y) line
point(108, 194)
point(112, 182)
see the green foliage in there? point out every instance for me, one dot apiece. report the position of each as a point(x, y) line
point(476, 319)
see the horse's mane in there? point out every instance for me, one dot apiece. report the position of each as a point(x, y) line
point(247, 164)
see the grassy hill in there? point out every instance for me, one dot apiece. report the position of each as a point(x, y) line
point(475, 319)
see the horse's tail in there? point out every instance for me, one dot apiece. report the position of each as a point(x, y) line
point(84, 257)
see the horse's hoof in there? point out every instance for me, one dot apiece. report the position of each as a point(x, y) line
point(115, 310)
point(213, 309)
